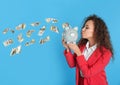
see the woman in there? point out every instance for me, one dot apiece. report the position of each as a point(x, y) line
point(92, 53)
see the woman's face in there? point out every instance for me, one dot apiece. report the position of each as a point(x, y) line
point(88, 30)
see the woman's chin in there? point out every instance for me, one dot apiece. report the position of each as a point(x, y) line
point(84, 37)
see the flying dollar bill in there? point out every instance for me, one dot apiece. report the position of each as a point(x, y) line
point(48, 20)
point(66, 26)
point(29, 32)
point(27, 44)
point(42, 41)
point(6, 30)
point(12, 31)
point(8, 42)
point(35, 24)
point(41, 31)
point(53, 20)
point(20, 38)
point(54, 29)
point(30, 43)
point(15, 51)
point(21, 26)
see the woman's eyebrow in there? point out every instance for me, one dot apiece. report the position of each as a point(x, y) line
point(86, 25)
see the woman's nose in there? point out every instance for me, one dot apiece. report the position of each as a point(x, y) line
point(83, 29)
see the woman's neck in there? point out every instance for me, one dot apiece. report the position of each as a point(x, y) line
point(91, 43)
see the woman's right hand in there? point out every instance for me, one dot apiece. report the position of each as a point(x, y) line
point(65, 45)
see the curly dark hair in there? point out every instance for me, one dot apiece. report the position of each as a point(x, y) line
point(102, 37)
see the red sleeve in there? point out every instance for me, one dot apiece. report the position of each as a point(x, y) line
point(97, 67)
point(70, 58)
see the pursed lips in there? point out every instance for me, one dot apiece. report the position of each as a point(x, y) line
point(83, 33)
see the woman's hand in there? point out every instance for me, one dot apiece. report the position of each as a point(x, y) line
point(75, 48)
point(65, 45)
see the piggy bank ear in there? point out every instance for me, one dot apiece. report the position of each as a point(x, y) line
point(75, 28)
point(66, 28)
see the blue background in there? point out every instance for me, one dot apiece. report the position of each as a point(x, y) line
point(46, 64)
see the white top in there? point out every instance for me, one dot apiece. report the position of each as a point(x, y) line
point(88, 52)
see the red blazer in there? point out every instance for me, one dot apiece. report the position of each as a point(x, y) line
point(92, 69)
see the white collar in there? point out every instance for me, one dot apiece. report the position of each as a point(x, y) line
point(92, 48)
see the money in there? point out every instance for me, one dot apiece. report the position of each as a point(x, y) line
point(42, 41)
point(27, 44)
point(15, 51)
point(29, 32)
point(48, 20)
point(41, 31)
point(8, 42)
point(53, 20)
point(35, 24)
point(21, 26)
point(20, 38)
point(54, 29)
point(30, 43)
point(12, 31)
point(5, 30)
point(8, 29)
point(65, 25)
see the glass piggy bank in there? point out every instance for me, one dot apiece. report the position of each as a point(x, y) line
point(70, 35)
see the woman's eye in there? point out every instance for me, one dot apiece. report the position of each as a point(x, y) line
point(86, 27)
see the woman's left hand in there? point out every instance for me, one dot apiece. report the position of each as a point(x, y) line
point(75, 48)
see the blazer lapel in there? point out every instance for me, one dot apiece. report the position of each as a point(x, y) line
point(95, 55)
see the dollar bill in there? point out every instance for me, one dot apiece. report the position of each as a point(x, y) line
point(54, 29)
point(30, 43)
point(6, 30)
point(29, 33)
point(20, 38)
point(8, 42)
point(15, 51)
point(12, 31)
point(41, 31)
point(35, 24)
point(53, 20)
point(48, 20)
point(21, 26)
point(44, 40)
point(65, 25)
point(27, 44)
